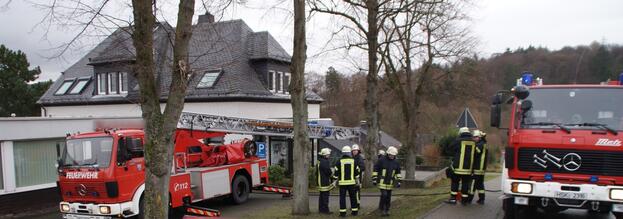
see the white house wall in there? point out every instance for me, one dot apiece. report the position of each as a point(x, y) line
point(256, 110)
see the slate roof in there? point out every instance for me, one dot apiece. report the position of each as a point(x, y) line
point(228, 46)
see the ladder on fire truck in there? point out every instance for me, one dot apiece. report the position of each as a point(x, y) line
point(197, 121)
point(235, 125)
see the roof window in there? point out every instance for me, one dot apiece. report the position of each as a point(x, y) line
point(209, 78)
point(64, 87)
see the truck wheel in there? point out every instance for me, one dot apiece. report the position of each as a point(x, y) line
point(510, 209)
point(141, 209)
point(240, 189)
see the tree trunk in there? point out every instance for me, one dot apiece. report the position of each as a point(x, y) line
point(159, 127)
point(371, 103)
point(300, 206)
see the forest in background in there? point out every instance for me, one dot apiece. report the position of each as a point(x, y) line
point(469, 82)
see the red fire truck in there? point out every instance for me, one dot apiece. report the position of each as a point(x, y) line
point(102, 173)
point(564, 149)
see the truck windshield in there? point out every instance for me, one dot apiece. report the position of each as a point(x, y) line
point(90, 152)
point(575, 108)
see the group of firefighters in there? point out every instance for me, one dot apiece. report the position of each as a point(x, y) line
point(347, 174)
point(469, 162)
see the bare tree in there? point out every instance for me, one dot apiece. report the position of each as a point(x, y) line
point(425, 32)
point(363, 20)
point(300, 206)
point(160, 124)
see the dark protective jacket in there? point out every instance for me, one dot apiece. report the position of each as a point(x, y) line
point(346, 171)
point(480, 157)
point(323, 173)
point(360, 161)
point(463, 149)
point(386, 173)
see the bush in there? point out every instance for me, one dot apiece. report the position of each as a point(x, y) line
point(276, 174)
point(446, 140)
point(311, 176)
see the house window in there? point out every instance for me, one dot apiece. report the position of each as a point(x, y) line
point(34, 162)
point(286, 83)
point(208, 79)
point(278, 82)
point(123, 82)
point(112, 83)
point(271, 81)
point(64, 87)
point(80, 85)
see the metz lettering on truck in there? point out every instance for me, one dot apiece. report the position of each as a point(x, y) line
point(608, 142)
point(82, 175)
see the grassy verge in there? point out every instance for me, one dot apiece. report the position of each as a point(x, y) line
point(406, 203)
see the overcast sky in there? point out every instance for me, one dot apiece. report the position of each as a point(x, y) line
point(498, 24)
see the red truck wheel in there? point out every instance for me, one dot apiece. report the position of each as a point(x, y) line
point(240, 189)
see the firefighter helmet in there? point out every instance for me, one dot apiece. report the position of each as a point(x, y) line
point(392, 151)
point(381, 152)
point(346, 149)
point(325, 151)
point(477, 133)
point(355, 147)
point(463, 130)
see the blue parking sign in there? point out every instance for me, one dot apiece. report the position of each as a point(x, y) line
point(261, 149)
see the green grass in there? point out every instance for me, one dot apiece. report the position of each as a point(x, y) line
point(414, 203)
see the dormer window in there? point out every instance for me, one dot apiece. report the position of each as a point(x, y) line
point(209, 78)
point(80, 85)
point(64, 87)
point(112, 83)
point(278, 82)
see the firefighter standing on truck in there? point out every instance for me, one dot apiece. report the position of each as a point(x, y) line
point(360, 162)
point(386, 174)
point(347, 172)
point(480, 164)
point(325, 184)
point(463, 149)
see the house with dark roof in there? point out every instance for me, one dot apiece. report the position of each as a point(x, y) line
point(236, 72)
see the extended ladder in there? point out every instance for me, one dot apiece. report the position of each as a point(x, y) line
point(197, 121)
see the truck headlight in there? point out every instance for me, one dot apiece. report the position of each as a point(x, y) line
point(104, 210)
point(523, 188)
point(64, 208)
point(616, 194)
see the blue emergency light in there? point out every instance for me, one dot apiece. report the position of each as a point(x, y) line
point(526, 78)
point(548, 177)
point(621, 79)
point(594, 179)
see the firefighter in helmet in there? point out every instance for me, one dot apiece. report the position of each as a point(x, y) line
point(360, 162)
point(324, 174)
point(480, 164)
point(381, 154)
point(462, 149)
point(347, 173)
point(386, 174)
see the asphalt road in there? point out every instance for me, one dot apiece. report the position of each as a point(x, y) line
point(493, 209)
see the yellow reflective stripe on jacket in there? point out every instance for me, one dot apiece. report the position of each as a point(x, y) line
point(483, 156)
point(462, 169)
point(343, 181)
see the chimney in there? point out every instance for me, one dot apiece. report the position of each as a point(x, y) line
point(206, 18)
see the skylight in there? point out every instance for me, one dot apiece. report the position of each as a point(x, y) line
point(64, 87)
point(208, 79)
point(82, 83)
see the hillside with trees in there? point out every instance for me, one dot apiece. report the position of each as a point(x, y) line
point(469, 82)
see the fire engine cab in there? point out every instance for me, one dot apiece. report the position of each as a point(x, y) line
point(102, 173)
point(564, 146)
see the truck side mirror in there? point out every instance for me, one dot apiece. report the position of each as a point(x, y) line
point(496, 110)
point(122, 151)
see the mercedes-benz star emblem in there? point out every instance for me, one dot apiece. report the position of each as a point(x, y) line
point(82, 190)
point(572, 162)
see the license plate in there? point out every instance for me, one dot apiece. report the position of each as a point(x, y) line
point(80, 216)
point(571, 195)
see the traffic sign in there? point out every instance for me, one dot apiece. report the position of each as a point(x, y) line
point(466, 120)
point(261, 149)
